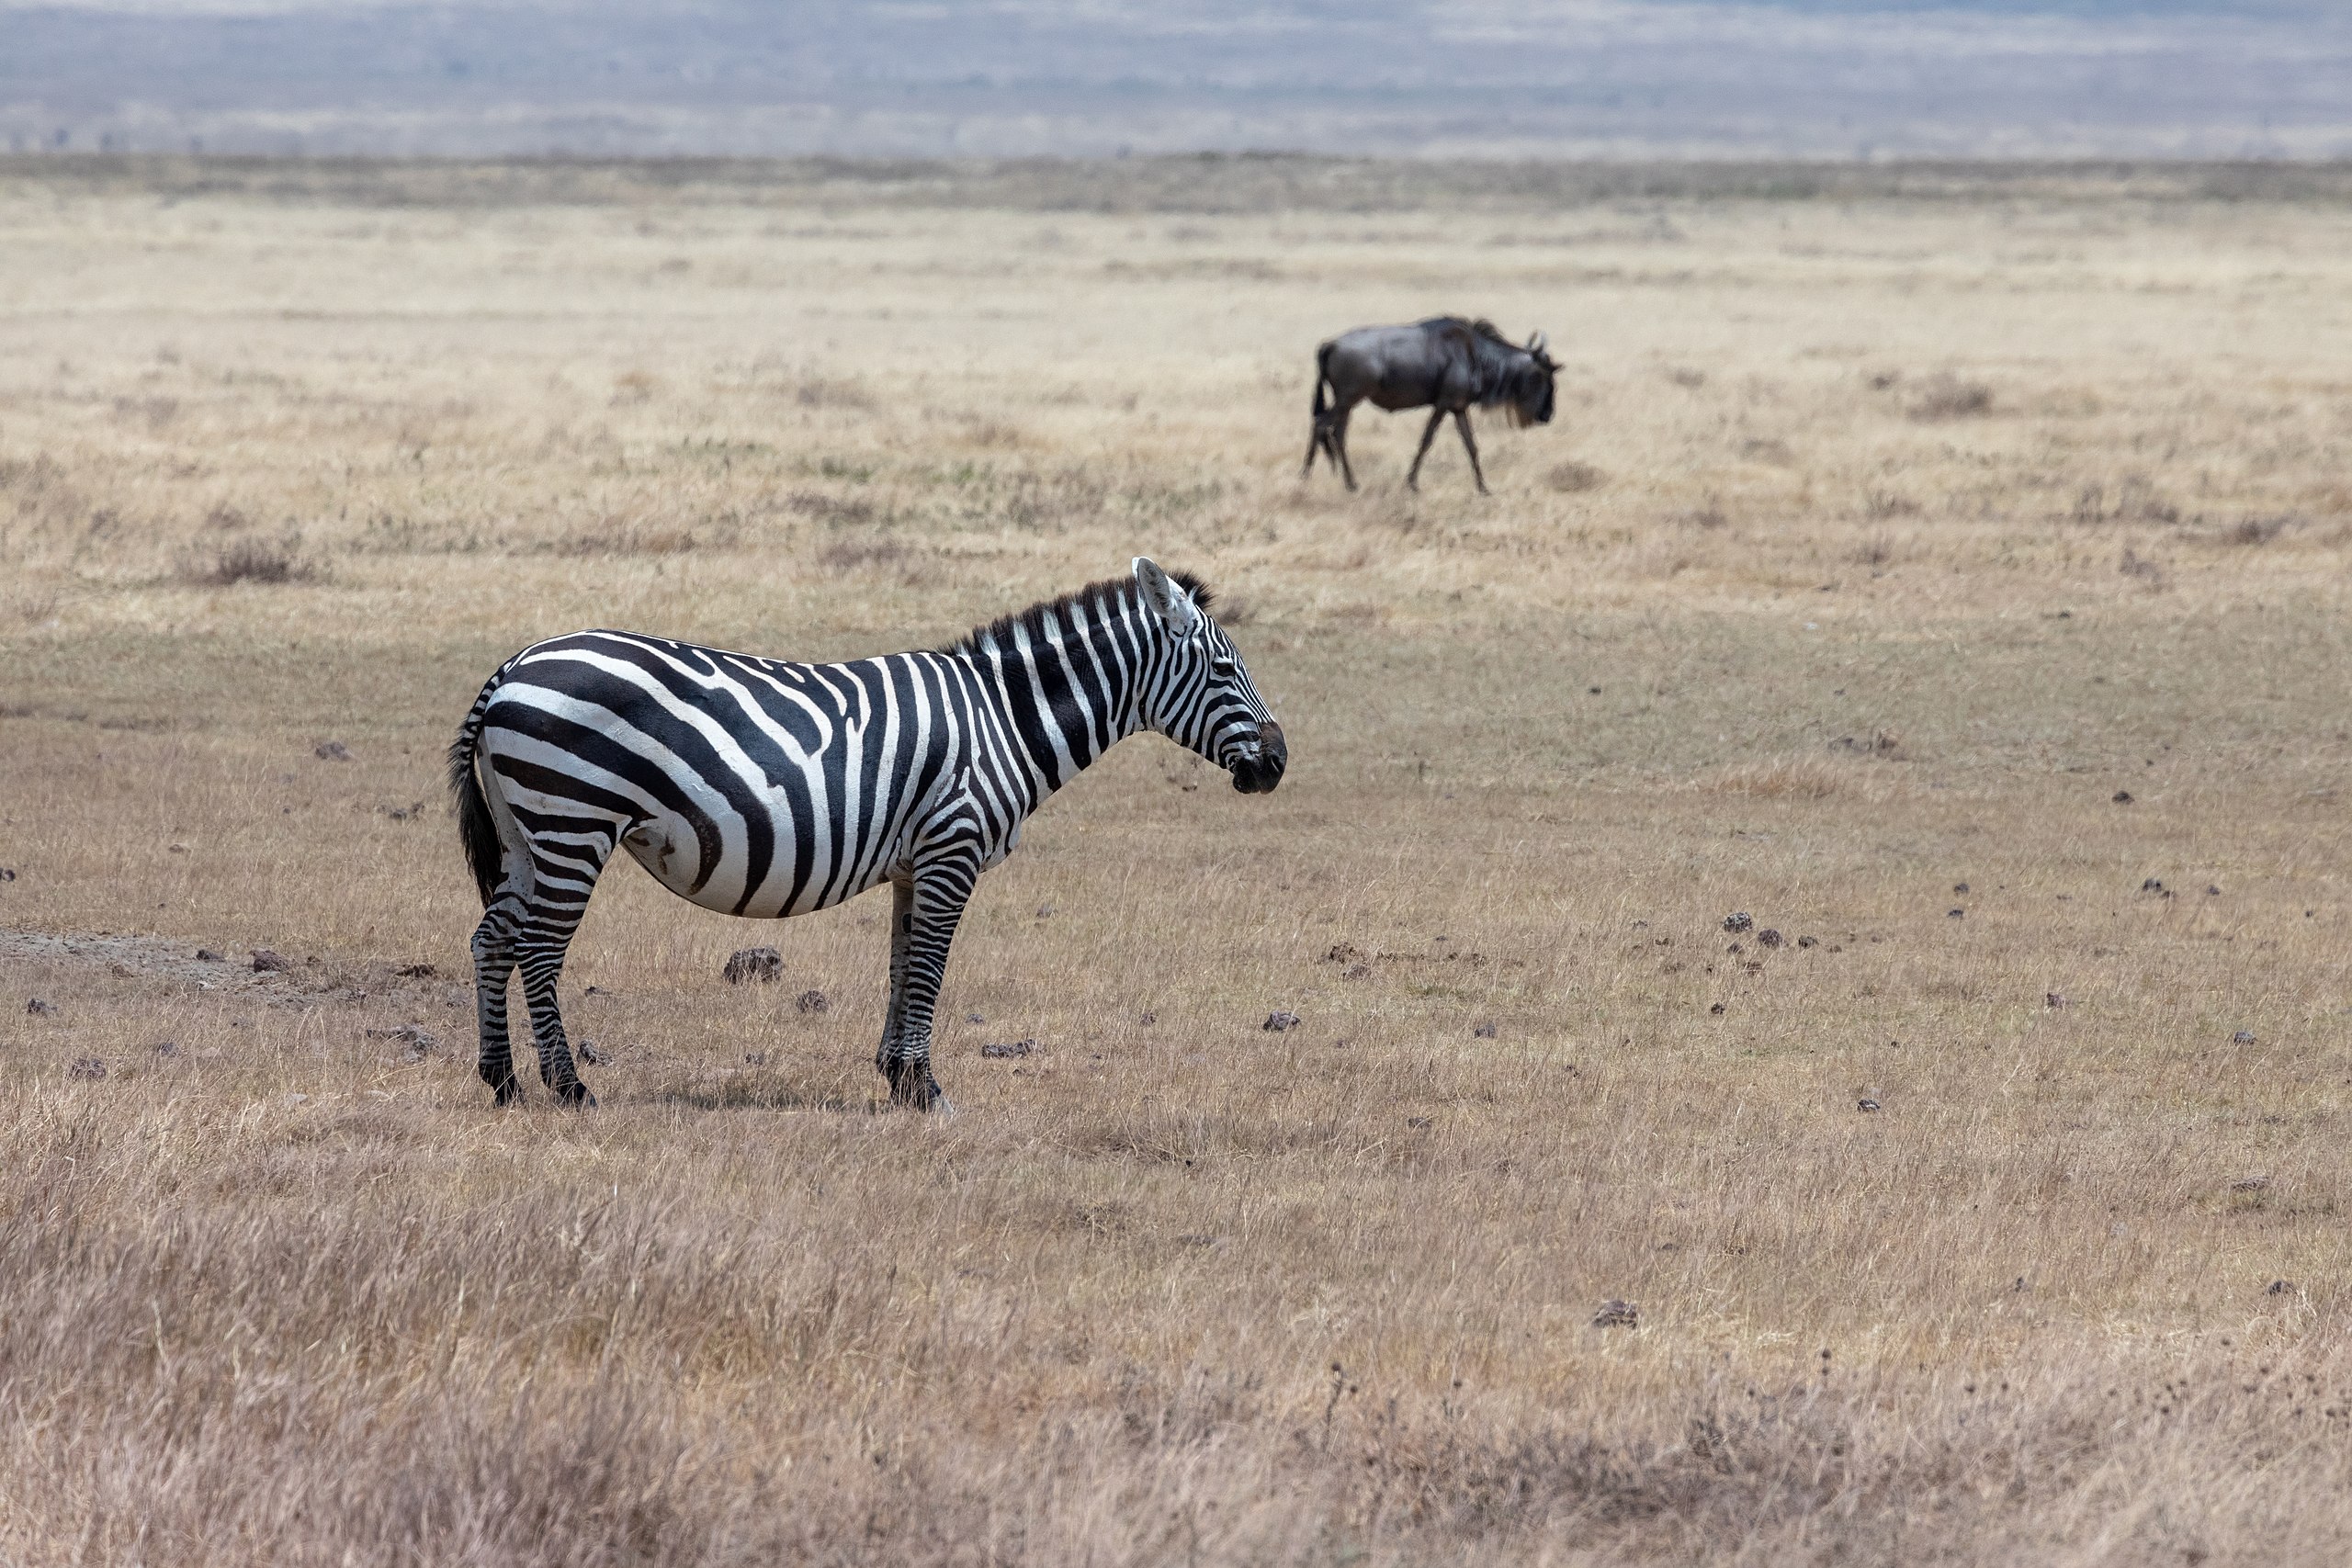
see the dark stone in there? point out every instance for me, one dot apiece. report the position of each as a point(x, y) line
point(206, 955)
point(1279, 1023)
point(810, 1001)
point(332, 751)
point(1866, 1104)
point(1483, 1032)
point(1009, 1049)
point(590, 1055)
point(416, 971)
point(1768, 937)
point(87, 1068)
point(2242, 1037)
point(2122, 797)
point(1740, 920)
point(1617, 1314)
point(753, 964)
point(268, 963)
point(39, 1009)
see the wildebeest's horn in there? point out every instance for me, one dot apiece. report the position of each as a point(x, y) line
point(1535, 343)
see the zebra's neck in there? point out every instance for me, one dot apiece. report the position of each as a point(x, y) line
point(1070, 676)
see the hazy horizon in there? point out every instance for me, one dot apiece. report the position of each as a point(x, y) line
point(1583, 78)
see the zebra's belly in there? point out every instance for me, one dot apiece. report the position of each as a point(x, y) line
point(782, 883)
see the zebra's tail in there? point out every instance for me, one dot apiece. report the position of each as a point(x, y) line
point(476, 829)
point(1322, 381)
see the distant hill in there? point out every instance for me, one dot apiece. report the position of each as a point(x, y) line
point(1805, 78)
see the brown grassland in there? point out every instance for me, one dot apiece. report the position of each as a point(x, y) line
point(1951, 575)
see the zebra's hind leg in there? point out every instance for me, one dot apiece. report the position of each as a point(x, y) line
point(567, 858)
point(493, 948)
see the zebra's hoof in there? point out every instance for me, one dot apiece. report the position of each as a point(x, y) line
point(576, 1096)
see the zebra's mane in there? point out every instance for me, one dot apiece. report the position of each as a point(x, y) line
point(1107, 594)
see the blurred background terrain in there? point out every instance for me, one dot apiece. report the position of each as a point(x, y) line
point(1555, 78)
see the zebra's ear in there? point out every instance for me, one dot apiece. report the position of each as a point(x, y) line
point(1164, 598)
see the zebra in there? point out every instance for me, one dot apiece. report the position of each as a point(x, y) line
point(766, 789)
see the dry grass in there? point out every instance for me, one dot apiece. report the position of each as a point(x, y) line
point(1175, 1288)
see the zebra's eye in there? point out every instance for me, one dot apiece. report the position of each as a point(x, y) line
point(1223, 663)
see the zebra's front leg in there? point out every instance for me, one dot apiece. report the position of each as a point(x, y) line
point(932, 906)
point(902, 930)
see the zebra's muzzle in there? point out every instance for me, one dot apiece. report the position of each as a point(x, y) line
point(1259, 769)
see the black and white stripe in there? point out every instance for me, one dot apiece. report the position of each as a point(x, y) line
point(765, 788)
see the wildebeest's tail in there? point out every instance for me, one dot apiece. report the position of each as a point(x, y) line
point(476, 827)
point(1322, 378)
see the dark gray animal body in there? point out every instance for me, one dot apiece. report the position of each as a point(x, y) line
point(1445, 365)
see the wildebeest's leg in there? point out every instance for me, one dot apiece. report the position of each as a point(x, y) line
point(1429, 433)
point(1462, 424)
point(494, 963)
point(566, 857)
point(902, 930)
point(1318, 439)
point(1337, 437)
point(942, 886)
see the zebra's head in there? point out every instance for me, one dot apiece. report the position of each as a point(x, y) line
point(1199, 692)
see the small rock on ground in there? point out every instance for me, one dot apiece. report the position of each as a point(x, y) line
point(267, 962)
point(86, 1067)
point(591, 1055)
point(39, 1009)
point(1617, 1314)
point(753, 964)
point(1739, 921)
point(1279, 1023)
point(2242, 1037)
point(811, 1002)
point(332, 751)
point(1009, 1049)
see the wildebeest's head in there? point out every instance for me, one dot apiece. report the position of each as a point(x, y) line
point(1528, 388)
point(1199, 695)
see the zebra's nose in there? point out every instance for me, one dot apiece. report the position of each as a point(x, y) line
point(1261, 774)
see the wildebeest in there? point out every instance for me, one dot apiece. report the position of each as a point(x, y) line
point(1444, 365)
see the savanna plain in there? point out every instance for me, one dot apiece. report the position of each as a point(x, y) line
point(1816, 914)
